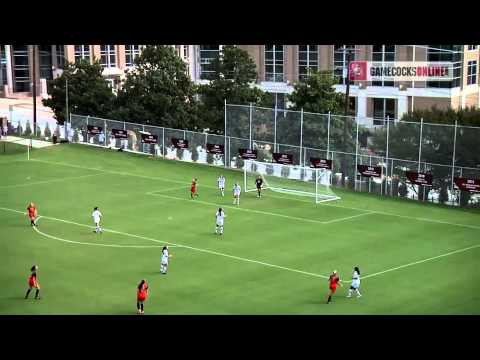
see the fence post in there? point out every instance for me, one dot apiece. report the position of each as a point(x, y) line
point(420, 144)
point(328, 135)
point(356, 160)
point(301, 136)
point(275, 131)
point(386, 155)
point(250, 133)
point(105, 133)
point(163, 142)
point(370, 178)
point(224, 135)
point(453, 158)
point(86, 132)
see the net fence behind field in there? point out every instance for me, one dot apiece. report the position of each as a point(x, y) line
point(393, 146)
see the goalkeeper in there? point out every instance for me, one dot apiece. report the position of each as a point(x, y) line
point(259, 183)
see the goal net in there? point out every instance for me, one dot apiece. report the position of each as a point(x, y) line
point(290, 179)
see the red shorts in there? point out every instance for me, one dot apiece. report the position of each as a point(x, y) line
point(33, 284)
point(32, 217)
point(333, 289)
point(193, 190)
point(141, 297)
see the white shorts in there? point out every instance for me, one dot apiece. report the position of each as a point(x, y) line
point(221, 187)
point(97, 223)
point(219, 223)
point(355, 284)
point(236, 194)
point(165, 262)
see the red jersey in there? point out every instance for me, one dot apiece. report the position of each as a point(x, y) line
point(142, 292)
point(333, 279)
point(32, 280)
point(32, 211)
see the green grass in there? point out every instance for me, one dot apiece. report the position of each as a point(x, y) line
point(146, 202)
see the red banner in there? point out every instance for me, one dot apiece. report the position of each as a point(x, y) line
point(180, 143)
point(286, 159)
point(149, 139)
point(369, 171)
point(248, 154)
point(321, 163)
point(94, 130)
point(470, 185)
point(419, 178)
point(119, 134)
point(215, 149)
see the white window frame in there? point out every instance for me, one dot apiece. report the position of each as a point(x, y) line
point(383, 52)
point(472, 47)
point(85, 53)
point(107, 53)
point(133, 53)
point(275, 73)
point(308, 67)
point(344, 62)
point(473, 64)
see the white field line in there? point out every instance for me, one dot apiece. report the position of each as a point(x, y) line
point(93, 244)
point(186, 187)
point(213, 187)
point(238, 208)
point(421, 261)
point(181, 246)
point(49, 181)
point(250, 260)
point(348, 217)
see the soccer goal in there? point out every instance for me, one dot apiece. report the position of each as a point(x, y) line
point(290, 179)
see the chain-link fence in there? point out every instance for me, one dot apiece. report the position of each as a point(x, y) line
point(391, 149)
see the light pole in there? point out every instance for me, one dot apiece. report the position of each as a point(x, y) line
point(34, 88)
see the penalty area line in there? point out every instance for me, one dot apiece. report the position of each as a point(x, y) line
point(183, 246)
point(92, 244)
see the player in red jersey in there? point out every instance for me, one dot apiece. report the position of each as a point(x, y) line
point(193, 188)
point(32, 214)
point(33, 283)
point(142, 294)
point(333, 280)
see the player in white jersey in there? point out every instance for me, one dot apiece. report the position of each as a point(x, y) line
point(236, 194)
point(355, 287)
point(97, 215)
point(219, 220)
point(164, 262)
point(221, 185)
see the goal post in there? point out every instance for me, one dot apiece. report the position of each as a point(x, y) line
point(289, 179)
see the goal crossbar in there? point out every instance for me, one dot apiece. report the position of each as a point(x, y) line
point(290, 179)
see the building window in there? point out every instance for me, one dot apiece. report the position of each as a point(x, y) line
point(60, 50)
point(274, 63)
point(185, 52)
point(307, 60)
point(472, 73)
point(207, 54)
point(340, 61)
point(472, 47)
point(3, 66)
point(446, 53)
point(107, 56)
point(21, 70)
point(131, 52)
point(45, 56)
point(82, 52)
point(382, 54)
point(383, 109)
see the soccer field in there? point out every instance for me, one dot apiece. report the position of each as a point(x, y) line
point(274, 258)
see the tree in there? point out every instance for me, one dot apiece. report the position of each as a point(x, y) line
point(233, 79)
point(437, 143)
point(158, 91)
point(317, 95)
point(88, 91)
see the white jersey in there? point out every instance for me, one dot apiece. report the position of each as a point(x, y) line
point(165, 256)
point(236, 190)
point(96, 216)
point(220, 215)
point(221, 182)
point(356, 280)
